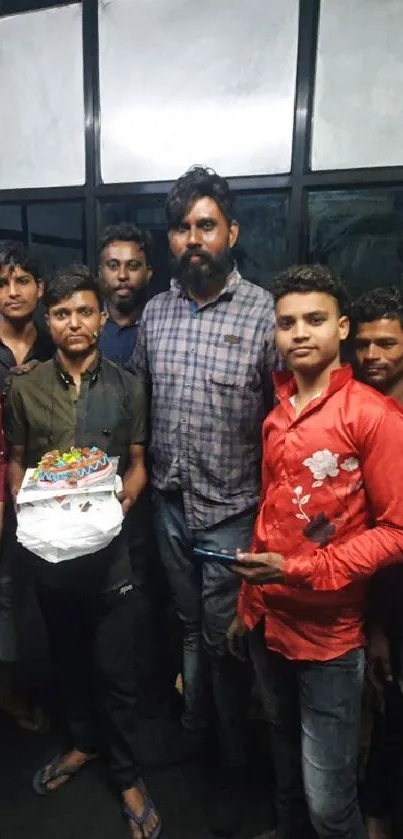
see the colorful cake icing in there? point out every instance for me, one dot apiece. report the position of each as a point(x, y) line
point(78, 467)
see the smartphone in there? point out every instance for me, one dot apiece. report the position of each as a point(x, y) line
point(214, 556)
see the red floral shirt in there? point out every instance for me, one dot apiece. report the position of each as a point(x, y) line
point(332, 505)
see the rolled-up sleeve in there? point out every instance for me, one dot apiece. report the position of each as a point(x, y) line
point(381, 459)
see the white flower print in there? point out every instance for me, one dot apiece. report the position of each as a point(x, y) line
point(350, 465)
point(301, 500)
point(323, 464)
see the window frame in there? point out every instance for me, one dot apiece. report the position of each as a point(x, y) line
point(297, 183)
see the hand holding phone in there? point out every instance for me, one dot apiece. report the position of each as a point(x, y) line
point(215, 556)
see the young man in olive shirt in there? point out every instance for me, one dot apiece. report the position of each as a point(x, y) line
point(80, 399)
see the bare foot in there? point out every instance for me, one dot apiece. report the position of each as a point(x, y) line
point(136, 800)
point(377, 828)
point(72, 760)
point(26, 716)
point(15, 704)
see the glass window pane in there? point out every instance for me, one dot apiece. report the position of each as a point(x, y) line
point(42, 99)
point(262, 247)
point(56, 234)
point(262, 250)
point(148, 213)
point(185, 83)
point(359, 78)
point(358, 233)
point(11, 222)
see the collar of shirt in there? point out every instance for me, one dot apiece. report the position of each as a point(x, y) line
point(110, 319)
point(67, 378)
point(42, 349)
point(117, 342)
point(286, 386)
point(227, 292)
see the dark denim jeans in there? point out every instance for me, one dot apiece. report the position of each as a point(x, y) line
point(205, 596)
point(314, 711)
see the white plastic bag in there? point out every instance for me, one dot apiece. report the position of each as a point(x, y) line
point(59, 529)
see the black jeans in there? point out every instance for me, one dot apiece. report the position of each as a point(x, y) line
point(313, 708)
point(93, 651)
point(385, 759)
point(382, 785)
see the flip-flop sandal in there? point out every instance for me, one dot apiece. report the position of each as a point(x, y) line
point(50, 772)
point(140, 821)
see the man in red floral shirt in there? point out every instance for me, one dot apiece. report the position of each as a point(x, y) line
point(331, 513)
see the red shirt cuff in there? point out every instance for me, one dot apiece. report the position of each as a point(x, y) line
point(298, 571)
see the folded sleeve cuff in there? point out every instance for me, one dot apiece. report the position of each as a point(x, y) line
point(298, 571)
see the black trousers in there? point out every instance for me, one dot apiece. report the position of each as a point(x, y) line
point(385, 760)
point(93, 650)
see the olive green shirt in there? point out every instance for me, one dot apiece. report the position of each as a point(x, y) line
point(42, 411)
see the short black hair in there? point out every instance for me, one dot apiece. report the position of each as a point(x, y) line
point(67, 282)
point(13, 254)
point(379, 303)
point(306, 278)
point(127, 232)
point(198, 182)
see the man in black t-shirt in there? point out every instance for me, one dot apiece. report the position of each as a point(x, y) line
point(21, 289)
point(21, 342)
point(80, 399)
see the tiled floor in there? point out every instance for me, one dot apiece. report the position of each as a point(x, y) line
point(87, 808)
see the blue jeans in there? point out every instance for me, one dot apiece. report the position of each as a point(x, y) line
point(314, 712)
point(205, 597)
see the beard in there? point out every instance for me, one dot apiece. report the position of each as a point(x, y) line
point(126, 305)
point(204, 277)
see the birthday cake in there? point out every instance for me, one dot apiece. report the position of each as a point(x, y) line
point(76, 468)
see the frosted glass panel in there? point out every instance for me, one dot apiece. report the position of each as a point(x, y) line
point(359, 82)
point(42, 100)
point(185, 82)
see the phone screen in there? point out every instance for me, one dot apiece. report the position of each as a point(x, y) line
point(214, 556)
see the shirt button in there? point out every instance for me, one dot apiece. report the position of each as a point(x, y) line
point(193, 350)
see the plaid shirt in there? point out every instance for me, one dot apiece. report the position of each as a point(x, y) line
point(209, 372)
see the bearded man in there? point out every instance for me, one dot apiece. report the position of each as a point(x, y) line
point(205, 350)
point(124, 273)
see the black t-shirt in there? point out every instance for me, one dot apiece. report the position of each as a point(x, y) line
point(41, 350)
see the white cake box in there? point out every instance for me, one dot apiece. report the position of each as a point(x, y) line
point(58, 525)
